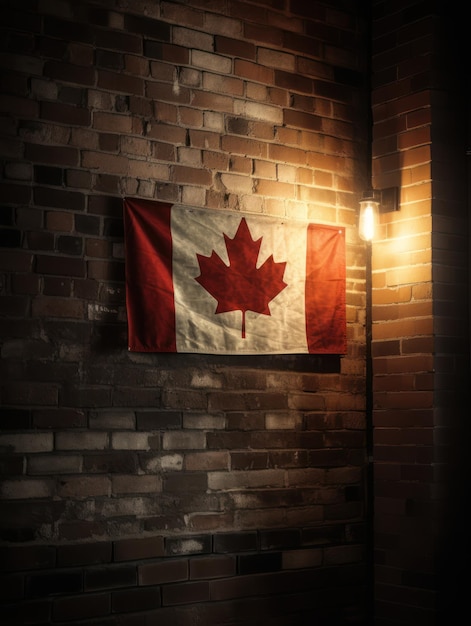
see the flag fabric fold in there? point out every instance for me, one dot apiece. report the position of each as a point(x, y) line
point(221, 282)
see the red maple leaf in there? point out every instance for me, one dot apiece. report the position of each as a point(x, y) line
point(241, 286)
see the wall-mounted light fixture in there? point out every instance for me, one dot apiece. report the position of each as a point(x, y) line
point(372, 203)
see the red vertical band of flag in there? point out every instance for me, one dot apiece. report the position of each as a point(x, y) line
point(149, 281)
point(325, 290)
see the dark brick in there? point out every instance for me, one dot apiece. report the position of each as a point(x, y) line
point(136, 600)
point(147, 26)
point(62, 418)
point(108, 184)
point(86, 396)
point(278, 539)
point(87, 224)
point(164, 571)
point(300, 43)
point(65, 114)
point(18, 535)
point(24, 283)
point(236, 542)
point(185, 483)
point(110, 577)
point(314, 11)
point(158, 420)
point(288, 458)
point(6, 216)
point(212, 567)
point(52, 48)
point(258, 563)
point(81, 606)
point(122, 463)
point(51, 154)
point(15, 419)
point(10, 238)
point(105, 205)
point(70, 245)
point(302, 120)
point(332, 91)
point(84, 554)
point(87, 289)
point(294, 82)
point(121, 104)
point(35, 612)
point(40, 585)
point(109, 60)
point(68, 31)
point(15, 194)
point(48, 175)
point(323, 535)
point(229, 440)
point(249, 460)
point(353, 493)
point(114, 40)
point(20, 18)
point(349, 77)
point(136, 549)
point(264, 34)
point(113, 228)
point(57, 286)
point(13, 306)
point(114, 81)
point(14, 84)
point(23, 558)
point(11, 587)
point(237, 125)
point(71, 200)
point(185, 593)
point(40, 240)
point(72, 95)
point(91, 15)
point(235, 47)
point(59, 265)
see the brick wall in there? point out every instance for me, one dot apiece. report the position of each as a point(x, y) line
point(178, 489)
point(420, 316)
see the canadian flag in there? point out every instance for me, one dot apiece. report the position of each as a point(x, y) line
point(222, 282)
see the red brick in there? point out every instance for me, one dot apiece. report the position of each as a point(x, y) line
point(235, 47)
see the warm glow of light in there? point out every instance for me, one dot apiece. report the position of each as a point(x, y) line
point(368, 223)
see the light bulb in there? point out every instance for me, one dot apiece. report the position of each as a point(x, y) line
point(368, 221)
